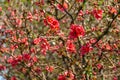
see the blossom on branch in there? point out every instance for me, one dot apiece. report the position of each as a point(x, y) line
point(76, 31)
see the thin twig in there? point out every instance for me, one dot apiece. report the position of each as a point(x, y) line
point(106, 31)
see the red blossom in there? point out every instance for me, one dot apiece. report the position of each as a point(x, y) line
point(66, 75)
point(108, 47)
point(2, 67)
point(13, 13)
point(49, 68)
point(45, 22)
point(115, 78)
point(69, 74)
point(97, 13)
point(35, 59)
point(85, 49)
point(76, 31)
point(81, 13)
point(12, 61)
point(52, 22)
point(13, 47)
point(18, 22)
point(38, 70)
point(26, 57)
point(1, 27)
point(54, 48)
point(29, 16)
point(19, 58)
point(112, 10)
point(87, 12)
point(0, 9)
point(24, 40)
point(99, 66)
point(32, 50)
point(44, 46)
point(61, 77)
point(62, 7)
point(36, 41)
point(70, 46)
point(42, 2)
point(13, 78)
point(92, 40)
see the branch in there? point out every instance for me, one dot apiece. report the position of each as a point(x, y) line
point(68, 11)
point(72, 19)
point(80, 8)
point(107, 30)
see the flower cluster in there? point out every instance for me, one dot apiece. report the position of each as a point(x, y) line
point(70, 46)
point(52, 22)
point(26, 57)
point(63, 7)
point(49, 68)
point(58, 39)
point(68, 75)
point(85, 49)
point(44, 45)
point(76, 31)
point(97, 13)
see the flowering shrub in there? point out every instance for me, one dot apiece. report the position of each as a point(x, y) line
point(60, 39)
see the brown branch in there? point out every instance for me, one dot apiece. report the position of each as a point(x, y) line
point(80, 8)
point(107, 30)
point(72, 19)
point(68, 11)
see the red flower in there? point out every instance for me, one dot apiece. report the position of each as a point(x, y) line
point(32, 50)
point(52, 22)
point(0, 9)
point(66, 75)
point(81, 13)
point(61, 77)
point(49, 68)
point(13, 47)
point(115, 78)
point(26, 56)
point(35, 59)
point(13, 78)
point(36, 41)
point(19, 58)
point(38, 70)
point(18, 22)
point(44, 46)
point(97, 14)
point(12, 61)
point(76, 31)
point(2, 67)
point(24, 40)
point(42, 2)
point(29, 16)
point(69, 74)
point(62, 7)
point(108, 47)
point(99, 66)
point(112, 10)
point(85, 49)
point(70, 46)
